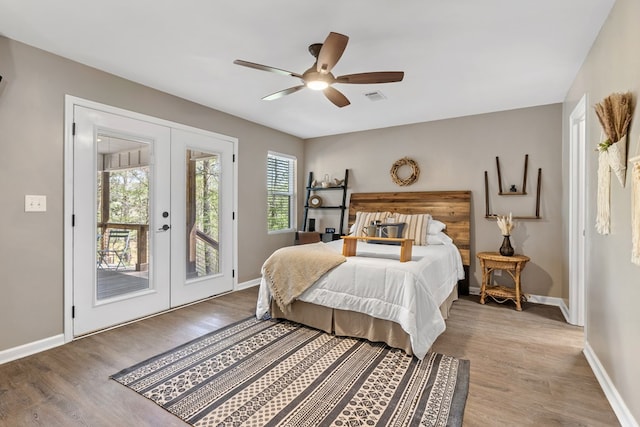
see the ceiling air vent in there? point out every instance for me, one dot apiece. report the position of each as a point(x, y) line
point(375, 96)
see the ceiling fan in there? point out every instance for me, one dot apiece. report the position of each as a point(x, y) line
point(319, 76)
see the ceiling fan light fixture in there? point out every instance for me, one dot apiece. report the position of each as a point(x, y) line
point(319, 76)
point(317, 84)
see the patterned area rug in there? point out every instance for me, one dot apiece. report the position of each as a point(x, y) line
point(279, 373)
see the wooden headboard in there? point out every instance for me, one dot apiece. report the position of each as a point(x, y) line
point(451, 207)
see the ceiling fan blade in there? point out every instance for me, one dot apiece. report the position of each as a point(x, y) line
point(331, 51)
point(336, 97)
point(373, 77)
point(282, 93)
point(266, 68)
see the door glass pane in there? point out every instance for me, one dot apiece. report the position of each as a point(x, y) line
point(203, 184)
point(122, 236)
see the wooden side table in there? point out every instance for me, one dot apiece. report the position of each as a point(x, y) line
point(491, 261)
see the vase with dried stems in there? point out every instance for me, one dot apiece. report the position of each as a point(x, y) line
point(506, 224)
point(614, 113)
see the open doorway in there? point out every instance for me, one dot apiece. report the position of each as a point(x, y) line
point(577, 211)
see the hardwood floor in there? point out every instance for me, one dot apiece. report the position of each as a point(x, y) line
point(527, 368)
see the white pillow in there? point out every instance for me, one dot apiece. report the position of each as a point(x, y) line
point(439, 239)
point(365, 218)
point(416, 227)
point(436, 226)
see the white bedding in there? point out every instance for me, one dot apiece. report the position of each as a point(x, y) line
point(376, 283)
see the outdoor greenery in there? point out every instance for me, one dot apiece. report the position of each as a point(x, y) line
point(128, 203)
point(128, 195)
point(207, 207)
point(280, 194)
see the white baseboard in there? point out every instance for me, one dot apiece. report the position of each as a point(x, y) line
point(615, 400)
point(248, 284)
point(45, 344)
point(565, 311)
point(539, 299)
point(30, 348)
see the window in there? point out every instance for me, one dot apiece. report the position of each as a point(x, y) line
point(281, 171)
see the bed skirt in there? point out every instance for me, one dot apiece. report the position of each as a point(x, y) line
point(353, 324)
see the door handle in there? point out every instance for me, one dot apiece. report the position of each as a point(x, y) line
point(164, 227)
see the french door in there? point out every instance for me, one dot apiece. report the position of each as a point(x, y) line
point(152, 217)
point(202, 171)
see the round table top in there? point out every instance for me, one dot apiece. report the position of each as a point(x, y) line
point(495, 256)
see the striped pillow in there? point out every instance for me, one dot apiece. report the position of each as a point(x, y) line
point(417, 227)
point(365, 218)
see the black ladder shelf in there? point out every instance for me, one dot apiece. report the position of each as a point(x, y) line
point(311, 189)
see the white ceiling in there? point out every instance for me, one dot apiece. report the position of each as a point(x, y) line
point(460, 57)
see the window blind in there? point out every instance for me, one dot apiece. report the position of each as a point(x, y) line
point(280, 192)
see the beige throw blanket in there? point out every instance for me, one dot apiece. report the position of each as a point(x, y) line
point(291, 270)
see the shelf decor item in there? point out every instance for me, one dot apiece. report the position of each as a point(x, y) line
point(315, 201)
point(415, 172)
point(614, 113)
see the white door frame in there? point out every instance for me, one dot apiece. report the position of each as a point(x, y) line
point(577, 211)
point(70, 102)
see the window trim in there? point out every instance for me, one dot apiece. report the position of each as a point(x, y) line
point(293, 193)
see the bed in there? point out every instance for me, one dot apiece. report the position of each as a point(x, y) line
point(374, 296)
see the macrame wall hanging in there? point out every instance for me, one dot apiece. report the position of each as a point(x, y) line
point(614, 113)
point(635, 206)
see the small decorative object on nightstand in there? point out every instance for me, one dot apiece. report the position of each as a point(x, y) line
point(491, 261)
point(506, 224)
point(506, 249)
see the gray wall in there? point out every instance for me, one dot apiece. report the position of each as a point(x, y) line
point(31, 133)
point(453, 155)
point(612, 320)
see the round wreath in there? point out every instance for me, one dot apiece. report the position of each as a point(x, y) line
point(415, 172)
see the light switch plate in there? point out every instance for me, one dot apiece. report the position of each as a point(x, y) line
point(35, 203)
